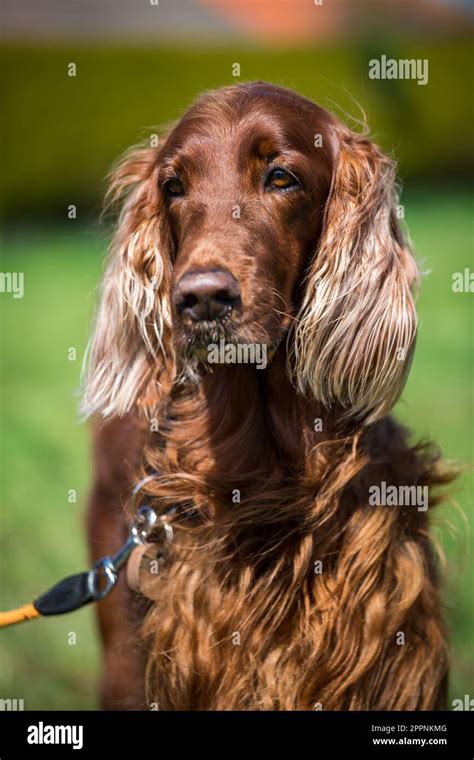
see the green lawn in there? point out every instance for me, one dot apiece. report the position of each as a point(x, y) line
point(45, 450)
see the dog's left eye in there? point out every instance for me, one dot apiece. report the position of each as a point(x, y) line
point(280, 179)
point(174, 188)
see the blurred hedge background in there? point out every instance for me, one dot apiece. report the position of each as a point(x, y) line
point(61, 134)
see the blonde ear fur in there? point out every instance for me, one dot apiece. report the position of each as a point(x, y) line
point(355, 333)
point(129, 341)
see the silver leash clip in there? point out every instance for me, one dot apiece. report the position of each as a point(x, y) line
point(103, 575)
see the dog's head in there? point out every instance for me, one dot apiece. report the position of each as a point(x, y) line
point(258, 217)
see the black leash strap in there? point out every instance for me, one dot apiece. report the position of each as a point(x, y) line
point(69, 594)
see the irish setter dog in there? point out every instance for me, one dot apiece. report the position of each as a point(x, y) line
point(261, 221)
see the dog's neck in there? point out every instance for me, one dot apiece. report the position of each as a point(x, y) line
point(260, 408)
point(239, 428)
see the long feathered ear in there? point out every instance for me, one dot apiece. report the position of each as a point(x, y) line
point(130, 343)
point(356, 330)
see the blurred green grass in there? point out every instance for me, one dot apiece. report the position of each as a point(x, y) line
point(45, 451)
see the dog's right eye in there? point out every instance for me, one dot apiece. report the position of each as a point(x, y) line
point(174, 188)
point(280, 179)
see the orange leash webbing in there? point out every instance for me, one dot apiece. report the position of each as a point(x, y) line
point(20, 615)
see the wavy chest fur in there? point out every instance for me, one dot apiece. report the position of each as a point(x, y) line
point(289, 590)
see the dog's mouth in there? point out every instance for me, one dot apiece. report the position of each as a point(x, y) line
point(225, 342)
point(198, 335)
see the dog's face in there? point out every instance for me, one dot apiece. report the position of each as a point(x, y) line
point(242, 189)
point(258, 216)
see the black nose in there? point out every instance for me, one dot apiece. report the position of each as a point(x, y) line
point(206, 295)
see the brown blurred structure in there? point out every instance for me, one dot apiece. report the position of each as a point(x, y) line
point(218, 21)
point(319, 20)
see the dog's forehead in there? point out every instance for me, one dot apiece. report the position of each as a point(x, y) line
point(259, 124)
